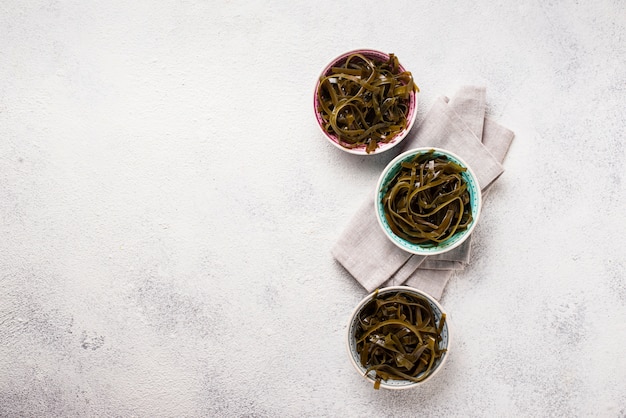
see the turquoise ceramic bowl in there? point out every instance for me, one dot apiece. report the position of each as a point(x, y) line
point(397, 384)
point(457, 239)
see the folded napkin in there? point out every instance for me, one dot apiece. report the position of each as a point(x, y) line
point(458, 125)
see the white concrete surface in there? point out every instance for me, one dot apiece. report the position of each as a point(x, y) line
point(167, 207)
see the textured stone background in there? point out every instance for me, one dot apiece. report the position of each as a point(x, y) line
point(168, 205)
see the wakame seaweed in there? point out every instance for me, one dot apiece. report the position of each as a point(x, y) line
point(398, 337)
point(427, 201)
point(365, 102)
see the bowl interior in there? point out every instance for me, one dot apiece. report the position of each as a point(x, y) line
point(352, 326)
point(412, 108)
point(457, 239)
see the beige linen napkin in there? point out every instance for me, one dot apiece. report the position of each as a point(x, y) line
point(458, 125)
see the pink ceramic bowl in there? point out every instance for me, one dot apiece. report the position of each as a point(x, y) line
point(361, 150)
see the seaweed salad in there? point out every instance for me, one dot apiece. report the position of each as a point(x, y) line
point(427, 201)
point(398, 337)
point(364, 102)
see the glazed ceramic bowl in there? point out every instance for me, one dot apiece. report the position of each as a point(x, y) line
point(455, 240)
point(353, 324)
point(377, 56)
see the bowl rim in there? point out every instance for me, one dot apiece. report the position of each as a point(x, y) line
point(436, 249)
point(389, 289)
point(361, 150)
